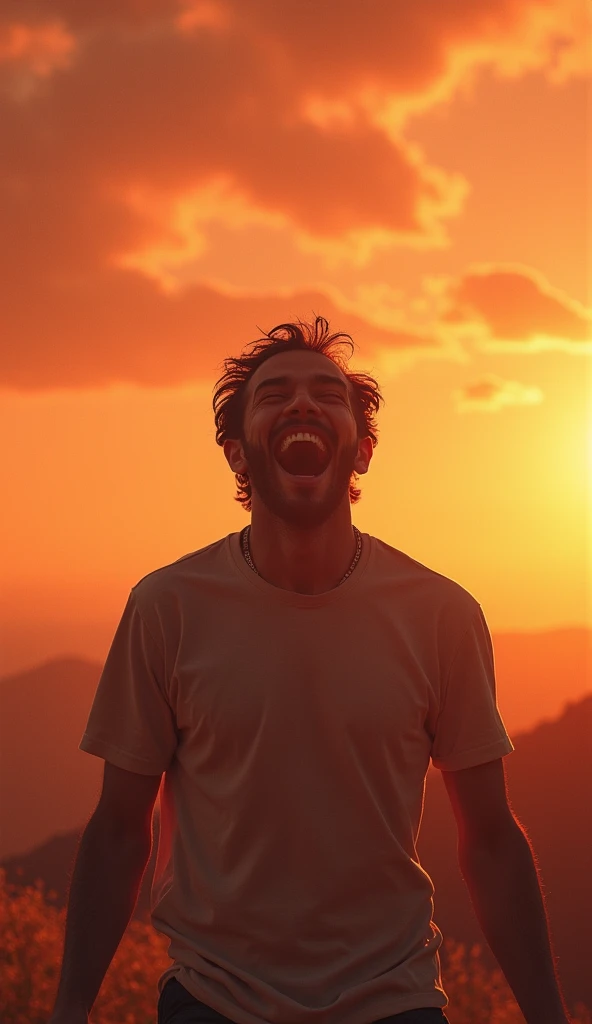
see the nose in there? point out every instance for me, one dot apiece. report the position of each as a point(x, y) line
point(301, 402)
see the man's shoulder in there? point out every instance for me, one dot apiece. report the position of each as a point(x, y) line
point(204, 563)
point(392, 563)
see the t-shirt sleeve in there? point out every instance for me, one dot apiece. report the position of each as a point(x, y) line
point(469, 729)
point(131, 723)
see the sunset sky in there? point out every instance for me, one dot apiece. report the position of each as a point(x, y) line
point(177, 175)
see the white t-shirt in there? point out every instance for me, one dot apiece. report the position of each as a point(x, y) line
point(295, 732)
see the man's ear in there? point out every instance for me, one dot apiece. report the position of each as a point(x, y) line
point(235, 456)
point(364, 456)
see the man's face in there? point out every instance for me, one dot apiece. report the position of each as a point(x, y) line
point(301, 402)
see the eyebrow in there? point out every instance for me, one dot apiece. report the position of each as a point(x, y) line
point(318, 378)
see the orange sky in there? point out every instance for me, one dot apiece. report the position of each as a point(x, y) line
point(177, 174)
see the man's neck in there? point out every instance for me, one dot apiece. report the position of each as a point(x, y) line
point(303, 561)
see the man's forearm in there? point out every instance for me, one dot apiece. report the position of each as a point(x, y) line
point(503, 883)
point(103, 893)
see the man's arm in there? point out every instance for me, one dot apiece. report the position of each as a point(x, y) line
point(498, 866)
point(110, 862)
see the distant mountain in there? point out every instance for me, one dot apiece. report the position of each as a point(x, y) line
point(549, 783)
point(48, 786)
point(46, 783)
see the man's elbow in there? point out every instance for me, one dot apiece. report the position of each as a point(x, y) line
point(503, 835)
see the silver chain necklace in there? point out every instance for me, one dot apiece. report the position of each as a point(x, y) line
point(246, 532)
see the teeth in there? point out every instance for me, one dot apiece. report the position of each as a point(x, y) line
point(302, 437)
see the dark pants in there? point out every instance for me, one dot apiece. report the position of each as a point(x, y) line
point(177, 1006)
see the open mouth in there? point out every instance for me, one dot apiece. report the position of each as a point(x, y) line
point(303, 459)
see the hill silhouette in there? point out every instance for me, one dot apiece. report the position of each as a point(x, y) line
point(549, 783)
point(48, 786)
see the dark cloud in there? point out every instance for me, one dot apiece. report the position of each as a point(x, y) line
point(106, 100)
point(83, 340)
point(517, 305)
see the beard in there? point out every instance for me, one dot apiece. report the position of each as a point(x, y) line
point(301, 507)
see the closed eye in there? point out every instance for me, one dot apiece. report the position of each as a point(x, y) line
point(328, 394)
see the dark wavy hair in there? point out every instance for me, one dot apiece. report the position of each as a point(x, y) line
point(229, 398)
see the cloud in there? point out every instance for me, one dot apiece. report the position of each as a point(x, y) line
point(516, 305)
point(120, 327)
point(170, 96)
point(170, 113)
point(39, 49)
point(491, 393)
point(129, 127)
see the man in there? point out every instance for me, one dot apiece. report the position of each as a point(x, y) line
point(292, 683)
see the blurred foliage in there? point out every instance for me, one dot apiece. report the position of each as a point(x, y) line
point(31, 948)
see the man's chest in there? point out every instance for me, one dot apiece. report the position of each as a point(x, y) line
point(251, 685)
